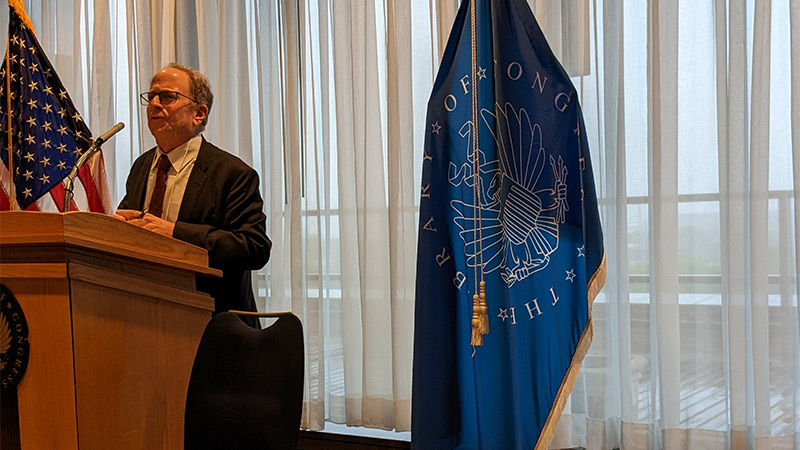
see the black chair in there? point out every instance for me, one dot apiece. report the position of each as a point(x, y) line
point(246, 386)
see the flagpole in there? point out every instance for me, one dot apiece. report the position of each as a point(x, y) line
point(12, 192)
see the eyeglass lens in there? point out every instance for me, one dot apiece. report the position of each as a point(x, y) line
point(164, 97)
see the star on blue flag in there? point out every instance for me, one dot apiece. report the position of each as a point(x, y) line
point(507, 197)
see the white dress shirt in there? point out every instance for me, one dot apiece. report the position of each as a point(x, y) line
point(182, 159)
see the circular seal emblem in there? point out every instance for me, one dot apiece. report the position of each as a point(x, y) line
point(14, 344)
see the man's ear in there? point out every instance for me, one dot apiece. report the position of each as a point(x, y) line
point(200, 113)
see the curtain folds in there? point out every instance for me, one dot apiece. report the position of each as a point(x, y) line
point(697, 328)
point(692, 110)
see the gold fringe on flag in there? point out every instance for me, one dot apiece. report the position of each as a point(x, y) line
point(20, 8)
point(596, 283)
point(12, 197)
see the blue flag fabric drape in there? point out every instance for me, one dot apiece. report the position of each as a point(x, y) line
point(528, 219)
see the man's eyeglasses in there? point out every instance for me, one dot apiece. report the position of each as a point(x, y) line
point(164, 97)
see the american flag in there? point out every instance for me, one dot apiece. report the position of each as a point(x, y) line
point(47, 134)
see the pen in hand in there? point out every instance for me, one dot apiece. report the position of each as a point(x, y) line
point(144, 211)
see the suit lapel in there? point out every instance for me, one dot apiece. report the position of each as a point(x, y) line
point(195, 184)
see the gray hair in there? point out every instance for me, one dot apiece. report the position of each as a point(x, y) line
point(199, 86)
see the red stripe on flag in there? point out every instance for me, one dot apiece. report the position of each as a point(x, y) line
point(57, 192)
point(92, 194)
point(5, 188)
point(5, 203)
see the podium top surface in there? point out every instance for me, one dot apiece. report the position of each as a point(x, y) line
point(100, 233)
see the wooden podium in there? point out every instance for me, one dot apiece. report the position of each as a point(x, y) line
point(114, 322)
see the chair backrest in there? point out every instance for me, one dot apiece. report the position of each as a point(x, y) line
point(246, 386)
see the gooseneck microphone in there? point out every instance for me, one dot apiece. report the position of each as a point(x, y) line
point(69, 180)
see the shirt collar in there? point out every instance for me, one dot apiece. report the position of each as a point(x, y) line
point(182, 154)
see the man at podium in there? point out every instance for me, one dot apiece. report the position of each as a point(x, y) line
point(189, 189)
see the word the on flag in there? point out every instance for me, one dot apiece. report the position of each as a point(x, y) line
point(510, 251)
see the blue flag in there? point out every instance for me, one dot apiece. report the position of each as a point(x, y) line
point(507, 198)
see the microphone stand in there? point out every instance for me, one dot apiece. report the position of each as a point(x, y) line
point(70, 179)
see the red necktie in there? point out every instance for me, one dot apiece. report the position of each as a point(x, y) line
point(157, 199)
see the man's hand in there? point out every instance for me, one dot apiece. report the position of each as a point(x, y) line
point(146, 221)
point(127, 214)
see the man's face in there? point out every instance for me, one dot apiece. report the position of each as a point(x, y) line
point(177, 122)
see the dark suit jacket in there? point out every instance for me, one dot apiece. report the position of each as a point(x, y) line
point(221, 211)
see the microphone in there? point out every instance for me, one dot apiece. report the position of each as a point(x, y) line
point(82, 160)
point(105, 136)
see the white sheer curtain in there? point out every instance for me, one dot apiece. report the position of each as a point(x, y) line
point(342, 200)
point(692, 109)
point(694, 116)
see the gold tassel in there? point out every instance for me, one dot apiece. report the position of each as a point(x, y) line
point(477, 337)
point(483, 309)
